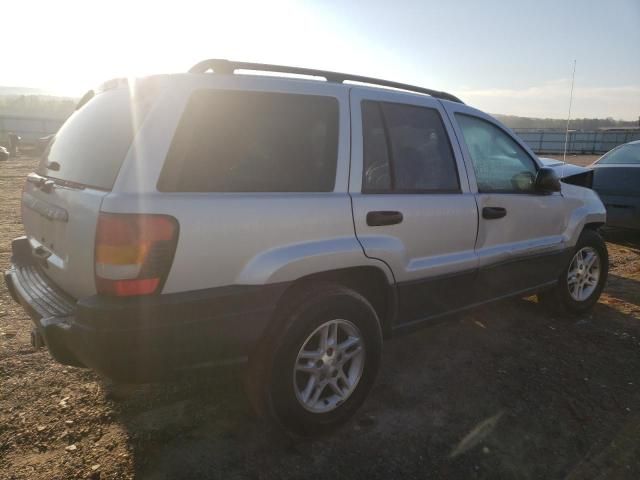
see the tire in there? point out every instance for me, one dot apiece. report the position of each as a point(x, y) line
point(564, 298)
point(277, 390)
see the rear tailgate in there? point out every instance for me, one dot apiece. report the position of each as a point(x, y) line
point(61, 229)
point(61, 202)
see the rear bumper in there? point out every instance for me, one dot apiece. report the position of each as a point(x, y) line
point(622, 211)
point(144, 338)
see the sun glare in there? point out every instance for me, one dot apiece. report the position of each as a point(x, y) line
point(69, 46)
point(141, 38)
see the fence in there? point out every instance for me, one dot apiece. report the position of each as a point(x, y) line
point(29, 128)
point(540, 141)
point(593, 142)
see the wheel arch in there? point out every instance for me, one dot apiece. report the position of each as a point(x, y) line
point(581, 221)
point(369, 281)
point(593, 226)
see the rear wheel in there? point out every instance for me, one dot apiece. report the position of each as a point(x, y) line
point(583, 280)
point(315, 369)
point(329, 366)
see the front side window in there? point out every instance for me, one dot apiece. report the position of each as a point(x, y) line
point(406, 150)
point(239, 141)
point(500, 164)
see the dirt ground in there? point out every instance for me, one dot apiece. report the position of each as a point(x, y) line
point(582, 160)
point(507, 391)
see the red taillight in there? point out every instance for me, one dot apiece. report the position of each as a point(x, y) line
point(127, 288)
point(133, 253)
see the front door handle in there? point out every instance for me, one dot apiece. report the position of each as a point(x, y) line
point(383, 217)
point(491, 213)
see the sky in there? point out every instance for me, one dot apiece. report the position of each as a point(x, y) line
point(511, 57)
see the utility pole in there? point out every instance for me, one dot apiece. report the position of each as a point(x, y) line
point(566, 135)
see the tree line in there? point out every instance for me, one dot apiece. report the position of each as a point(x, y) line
point(49, 106)
point(513, 121)
point(43, 106)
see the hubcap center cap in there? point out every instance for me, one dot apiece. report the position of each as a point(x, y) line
point(328, 360)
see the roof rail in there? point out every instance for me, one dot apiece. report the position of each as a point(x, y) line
point(229, 67)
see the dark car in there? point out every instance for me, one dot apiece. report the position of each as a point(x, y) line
point(617, 180)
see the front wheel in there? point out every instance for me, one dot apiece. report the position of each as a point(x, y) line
point(317, 368)
point(582, 281)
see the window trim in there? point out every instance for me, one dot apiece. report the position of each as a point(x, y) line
point(387, 141)
point(409, 192)
point(387, 135)
point(509, 135)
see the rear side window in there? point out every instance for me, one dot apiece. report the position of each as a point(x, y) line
point(91, 145)
point(406, 150)
point(239, 141)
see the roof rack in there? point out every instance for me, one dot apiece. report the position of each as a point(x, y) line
point(229, 67)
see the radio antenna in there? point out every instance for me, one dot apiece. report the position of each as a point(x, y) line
point(566, 133)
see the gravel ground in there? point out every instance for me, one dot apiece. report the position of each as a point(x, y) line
point(506, 391)
point(582, 160)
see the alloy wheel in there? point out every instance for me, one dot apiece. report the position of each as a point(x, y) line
point(329, 366)
point(583, 274)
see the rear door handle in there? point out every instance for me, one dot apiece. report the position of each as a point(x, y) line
point(491, 213)
point(383, 217)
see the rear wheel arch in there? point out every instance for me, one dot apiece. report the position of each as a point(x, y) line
point(369, 281)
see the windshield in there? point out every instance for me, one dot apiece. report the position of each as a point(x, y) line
point(623, 155)
point(92, 144)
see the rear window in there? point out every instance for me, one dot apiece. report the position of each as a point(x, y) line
point(238, 141)
point(406, 150)
point(91, 145)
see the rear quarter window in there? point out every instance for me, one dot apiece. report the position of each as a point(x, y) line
point(92, 144)
point(239, 141)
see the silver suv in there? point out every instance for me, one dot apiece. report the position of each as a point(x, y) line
point(195, 219)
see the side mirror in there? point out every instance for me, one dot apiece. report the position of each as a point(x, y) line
point(547, 181)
